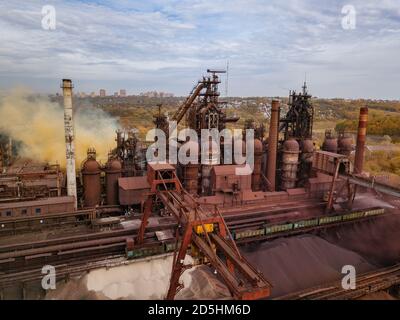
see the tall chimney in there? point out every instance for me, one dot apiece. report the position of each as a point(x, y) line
point(361, 137)
point(69, 138)
point(273, 145)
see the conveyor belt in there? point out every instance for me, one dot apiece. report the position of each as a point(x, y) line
point(372, 184)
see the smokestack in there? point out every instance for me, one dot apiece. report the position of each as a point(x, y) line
point(273, 144)
point(69, 139)
point(361, 137)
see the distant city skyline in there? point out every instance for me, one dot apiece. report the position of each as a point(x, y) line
point(120, 93)
point(167, 46)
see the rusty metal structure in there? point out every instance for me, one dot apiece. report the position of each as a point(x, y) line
point(130, 151)
point(190, 171)
point(91, 172)
point(113, 171)
point(256, 175)
point(361, 137)
point(332, 164)
point(208, 209)
point(37, 207)
point(24, 180)
point(202, 107)
point(306, 158)
point(273, 146)
point(205, 230)
point(290, 163)
point(259, 129)
point(161, 121)
point(345, 143)
point(201, 110)
point(298, 121)
point(330, 142)
point(296, 124)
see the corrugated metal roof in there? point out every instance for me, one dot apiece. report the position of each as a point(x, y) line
point(161, 166)
point(40, 202)
point(133, 183)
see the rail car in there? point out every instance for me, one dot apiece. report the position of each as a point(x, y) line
point(266, 230)
point(145, 251)
point(306, 223)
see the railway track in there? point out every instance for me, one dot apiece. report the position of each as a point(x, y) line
point(80, 238)
point(25, 224)
point(64, 270)
point(101, 238)
point(17, 259)
point(378, 280)
point(294, 232)
point(234, 221)
point(22, 257)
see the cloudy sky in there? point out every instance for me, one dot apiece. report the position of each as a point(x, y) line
point(168, 45)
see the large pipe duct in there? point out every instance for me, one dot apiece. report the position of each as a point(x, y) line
point(273, 145)
point(361, 137)
point(69, 139)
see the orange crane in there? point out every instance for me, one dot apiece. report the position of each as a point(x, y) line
point(206, 231)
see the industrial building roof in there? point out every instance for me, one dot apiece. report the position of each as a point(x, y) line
point(161, 166)
point(39, 202)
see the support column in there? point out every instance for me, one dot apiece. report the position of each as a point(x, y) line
point(361, 137)
point(69, 139)
point(273, 145)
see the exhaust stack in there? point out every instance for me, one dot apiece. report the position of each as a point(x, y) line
point(361, 137)
point(273, 145)
point(69, 139)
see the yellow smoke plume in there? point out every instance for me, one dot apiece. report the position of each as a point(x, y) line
point(39, 124)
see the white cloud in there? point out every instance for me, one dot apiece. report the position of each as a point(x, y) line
point(168, 44)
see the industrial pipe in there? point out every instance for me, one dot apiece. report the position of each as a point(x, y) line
point(69, 139)
point(273, 145)
point(361, 137)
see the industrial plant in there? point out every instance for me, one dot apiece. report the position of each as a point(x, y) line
point(199, 228)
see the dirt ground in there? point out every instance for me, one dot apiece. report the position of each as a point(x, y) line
point(377, 241)
point(290, 265)
point(298, 263)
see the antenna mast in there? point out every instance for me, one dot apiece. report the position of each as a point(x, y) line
point(227, 78)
